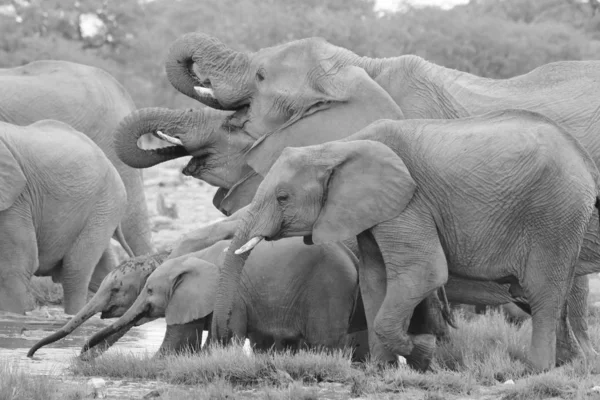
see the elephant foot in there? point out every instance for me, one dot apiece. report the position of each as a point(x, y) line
point(422, 352)
point(567, 347)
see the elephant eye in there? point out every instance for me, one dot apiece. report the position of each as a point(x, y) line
point(260, 75)
point(150, 291)
point(282, 198)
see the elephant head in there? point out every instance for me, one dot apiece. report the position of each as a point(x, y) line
point(217, 148)
point(182, 290)
point(236, 141)
point(326, 193)
point(116, 294)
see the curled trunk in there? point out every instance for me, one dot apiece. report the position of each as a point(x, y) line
point(223, 66)
point(141, 122)
point(95, 305)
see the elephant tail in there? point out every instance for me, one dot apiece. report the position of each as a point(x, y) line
point(597, 205)
point(119, 237)
point(446, 311)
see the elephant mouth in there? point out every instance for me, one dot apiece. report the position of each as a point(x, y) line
point(195, 166)
point(109, 313)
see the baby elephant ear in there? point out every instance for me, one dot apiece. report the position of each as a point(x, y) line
point(193, 291)
point(12, 179)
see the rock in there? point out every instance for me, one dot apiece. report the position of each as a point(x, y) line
point(96, 387)
point(509, 382)
point(151, 395)
point(283, 377)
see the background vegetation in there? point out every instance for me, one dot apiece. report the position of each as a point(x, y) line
point(491, 38)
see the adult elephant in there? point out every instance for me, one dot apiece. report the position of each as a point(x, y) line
point(511, 204)
point(61, 202)
point(91, 101)
point(292, 295)
point(275, 88)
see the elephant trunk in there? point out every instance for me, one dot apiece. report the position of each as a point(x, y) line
point(221, 84)
point(95, 305)
point(251, 230)
point(229, 279)
point(153, 120)
point(135, 313)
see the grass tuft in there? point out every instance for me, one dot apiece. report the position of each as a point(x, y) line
point(478, 357)
point(18, 385)
point(230, 364)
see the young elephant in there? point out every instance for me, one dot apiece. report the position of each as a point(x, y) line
point(312, 300)
point(61, 202)
point(116, 294)
point(504, 197)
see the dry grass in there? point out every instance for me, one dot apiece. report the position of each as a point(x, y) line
point(17, 385)
point(230, 364)
point(482, 354)
point(45, 292)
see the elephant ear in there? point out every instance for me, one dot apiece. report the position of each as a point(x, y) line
point(366, 184)
point(12, 179)
point(354, 100)
point(193, 291)
point(220, 194)
point(242, 193)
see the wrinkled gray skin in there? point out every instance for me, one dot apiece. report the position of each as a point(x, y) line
point(92, 102)
point(219, 148)
point(281, 85)
point(57, 215)
point(291, 295)
point(510, 204)
point(116, 294)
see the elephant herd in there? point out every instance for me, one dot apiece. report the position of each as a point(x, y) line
point(361, 196)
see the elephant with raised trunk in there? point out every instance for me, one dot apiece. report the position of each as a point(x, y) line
point(60, 204)
point(219, 144)
point(117, 292)
point(506, 197)
point(276, 88)
point(291, 295)
point(91, 101)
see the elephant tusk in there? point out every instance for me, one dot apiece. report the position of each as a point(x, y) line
point(204, 92)
point(250, 245)
point(169, 139)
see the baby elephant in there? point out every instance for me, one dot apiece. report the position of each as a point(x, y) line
point(61, 202)
point(116, 294)
point(291, 294)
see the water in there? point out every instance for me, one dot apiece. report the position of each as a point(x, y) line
point(19, 332)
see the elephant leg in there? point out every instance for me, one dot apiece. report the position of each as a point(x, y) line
point(567, 347)
point(415, 266)
point(372, 286)
point(107, 263)
point(359, 343)
point(428, 318)
point(577, 301)
point(18, 262)
point(260, 342)
point(546, 283)
point(79, 264)
point(181, 338)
